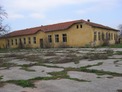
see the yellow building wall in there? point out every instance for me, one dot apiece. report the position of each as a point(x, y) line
point(3, 43)
point(27, 45)
point(76, 37)
point(104, 31)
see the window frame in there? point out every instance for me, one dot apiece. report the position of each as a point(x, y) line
point(56, 38)
point(12, 42)
point(24, 40)
point(50, 38)
point(34, 40)
point(99, 36)
point(64, 37)
point(95, 36)
point(16, 41)
point(29, 40)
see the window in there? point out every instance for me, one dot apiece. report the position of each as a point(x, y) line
point(80, 26)
point(20, 40)
point(57, 38)
point(103, 36)
point(29, 40)
point(114, 36)
point(8, 43)
point(64, 37)
point(77, 26)
point(12, 42)
point(16, 41)
point(34, 40)
point(24, 40)
point(109, 36)
point(49, 38)
point(95, 36)
point(99, 36)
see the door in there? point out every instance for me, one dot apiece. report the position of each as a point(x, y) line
point(41, 43)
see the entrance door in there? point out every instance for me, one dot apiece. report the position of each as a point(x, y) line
point(41, 43)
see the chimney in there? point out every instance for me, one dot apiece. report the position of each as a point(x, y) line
point(88, 20)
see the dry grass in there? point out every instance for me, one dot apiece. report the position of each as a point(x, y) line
point(23, 56)
point(50, 54)
point(95, 56)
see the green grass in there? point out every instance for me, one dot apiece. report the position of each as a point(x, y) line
point(98, 64)
point(116, 46)
point(95, 56)
point(23, 83)
point(118, 53)
point(100, 72)
point(1, 77)
point(61, 74)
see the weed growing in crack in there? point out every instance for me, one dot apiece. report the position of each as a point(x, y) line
point(23, 83)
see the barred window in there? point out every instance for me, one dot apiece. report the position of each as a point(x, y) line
point(12, 43)
point(49, 38)
point(16, 41)
point(99, 35)
point(64, 37)
point(57, 38)
point(77, 26)
point(103, 36)
point(34, 40)
point(24, 40)
point(95, 36)
point(29, 40)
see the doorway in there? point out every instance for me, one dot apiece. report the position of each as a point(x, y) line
point(41, 43)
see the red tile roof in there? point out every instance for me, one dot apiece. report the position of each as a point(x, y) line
point(55, 27)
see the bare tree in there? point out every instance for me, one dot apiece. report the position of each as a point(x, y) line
point(3, 28)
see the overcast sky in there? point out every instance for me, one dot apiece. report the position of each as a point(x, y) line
point(31, 13)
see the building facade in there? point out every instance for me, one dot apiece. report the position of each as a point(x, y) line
point(78, 33)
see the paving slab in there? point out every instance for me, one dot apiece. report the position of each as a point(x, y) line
point(65, 85)
point(108, 66)
point(87, 76)
point(15, 73)
point(116, 56)
point(21, 62)
point(72, 64)
point(45, 69)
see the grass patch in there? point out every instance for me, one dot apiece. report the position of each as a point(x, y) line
point(115, 62)
point(116, 46)
point(1, 77)
point(61, 74)
point(98, 64)
point(26, 69)
point(118, 53)
point(23, 56)
point(100, 72)
point(65, 59)
point(50, 54)
point(4, 63)
point(95, 56)
point(23, 83)
point(43, 78)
